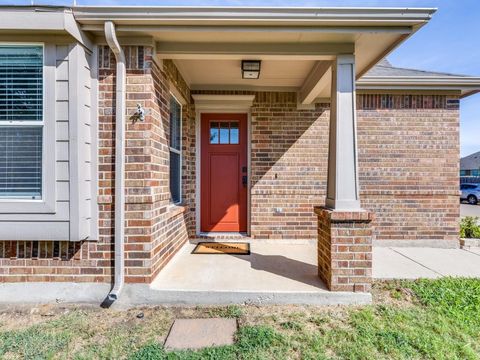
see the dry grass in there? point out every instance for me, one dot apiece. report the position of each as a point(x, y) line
point(403, 322)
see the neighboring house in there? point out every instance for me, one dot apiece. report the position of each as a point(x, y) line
point(470, 165)
point(310, 140)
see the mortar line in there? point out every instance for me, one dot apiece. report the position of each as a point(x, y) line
point(409, 258)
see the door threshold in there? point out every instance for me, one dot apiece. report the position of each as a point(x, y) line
point(222, 236)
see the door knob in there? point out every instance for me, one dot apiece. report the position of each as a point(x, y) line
point(244, 180)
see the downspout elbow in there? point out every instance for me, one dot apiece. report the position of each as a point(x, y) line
point(119, 271)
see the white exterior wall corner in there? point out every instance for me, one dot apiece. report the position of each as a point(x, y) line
point(81, 134)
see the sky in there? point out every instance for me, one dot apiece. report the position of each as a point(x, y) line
point(450, 42)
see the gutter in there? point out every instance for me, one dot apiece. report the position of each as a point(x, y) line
point(114, 45)
point(326, 16)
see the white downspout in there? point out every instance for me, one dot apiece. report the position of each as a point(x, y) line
point(119, 279)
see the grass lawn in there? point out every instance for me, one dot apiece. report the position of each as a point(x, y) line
point(428, 319)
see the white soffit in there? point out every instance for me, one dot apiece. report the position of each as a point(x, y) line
point(202, 74)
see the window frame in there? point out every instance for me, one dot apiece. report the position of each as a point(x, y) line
point(229, 122)
point(46, 203)
point(179, 152)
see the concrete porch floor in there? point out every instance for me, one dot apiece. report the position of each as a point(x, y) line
point(282, 272)
point(274, 272)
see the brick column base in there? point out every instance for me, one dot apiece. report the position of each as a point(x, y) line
point(345, 249)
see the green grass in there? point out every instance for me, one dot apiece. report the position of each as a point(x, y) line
point(231, 311)
point(426, 319)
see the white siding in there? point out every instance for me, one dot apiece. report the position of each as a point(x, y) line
point(80, 142)
point(75, 132)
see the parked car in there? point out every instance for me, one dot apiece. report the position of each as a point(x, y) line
point(470, 192)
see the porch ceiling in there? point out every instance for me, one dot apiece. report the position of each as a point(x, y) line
point(208, 43)
point(214, 74)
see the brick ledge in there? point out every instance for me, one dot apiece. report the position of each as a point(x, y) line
point(344, 215)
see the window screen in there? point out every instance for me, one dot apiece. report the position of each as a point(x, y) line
point(21, 83)
point(175, 123)
point(21, 121)
point(21, 161)
point(175, 150)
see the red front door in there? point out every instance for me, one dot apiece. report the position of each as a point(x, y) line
point(224, 172)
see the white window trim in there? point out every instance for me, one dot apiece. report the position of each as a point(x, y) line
point(47, 203)
point(179, 152)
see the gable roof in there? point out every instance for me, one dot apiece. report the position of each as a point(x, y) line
point(386, 76)
point(470, 162)
point(385, 68)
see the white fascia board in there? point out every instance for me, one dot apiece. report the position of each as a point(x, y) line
point(251, 15)
point(24, 19)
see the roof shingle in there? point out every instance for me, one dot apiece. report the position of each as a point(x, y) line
point(470, 162)
point(384, 69)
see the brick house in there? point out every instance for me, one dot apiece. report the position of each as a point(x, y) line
point(470, 165)
point(127, 132)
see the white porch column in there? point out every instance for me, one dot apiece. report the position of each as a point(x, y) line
point(342, 186)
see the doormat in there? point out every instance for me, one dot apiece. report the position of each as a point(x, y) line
point(222, 248)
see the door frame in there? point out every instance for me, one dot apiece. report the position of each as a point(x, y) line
point(212, 104)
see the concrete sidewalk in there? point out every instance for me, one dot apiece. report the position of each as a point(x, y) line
point(414, 263)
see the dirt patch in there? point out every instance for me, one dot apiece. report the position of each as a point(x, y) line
point(393, 293)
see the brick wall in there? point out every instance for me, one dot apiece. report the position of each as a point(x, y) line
point(409, 165)
point(155, 229)
point(345, 249)
point(289, 165)
point(408, 160)
point(25, 261)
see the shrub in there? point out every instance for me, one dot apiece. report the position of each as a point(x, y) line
point(469, 227)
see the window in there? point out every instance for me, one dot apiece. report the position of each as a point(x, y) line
point(224, 132)
point(175, 150)
point(21, 121)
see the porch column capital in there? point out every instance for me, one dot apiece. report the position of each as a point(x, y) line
point(342, 185)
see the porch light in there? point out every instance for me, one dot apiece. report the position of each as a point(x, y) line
point(250, 69)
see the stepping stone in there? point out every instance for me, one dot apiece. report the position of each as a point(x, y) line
point(200, 333)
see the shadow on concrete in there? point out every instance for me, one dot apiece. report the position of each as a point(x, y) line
point(285, 267)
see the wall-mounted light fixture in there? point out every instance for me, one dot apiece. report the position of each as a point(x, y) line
point(251, 69)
